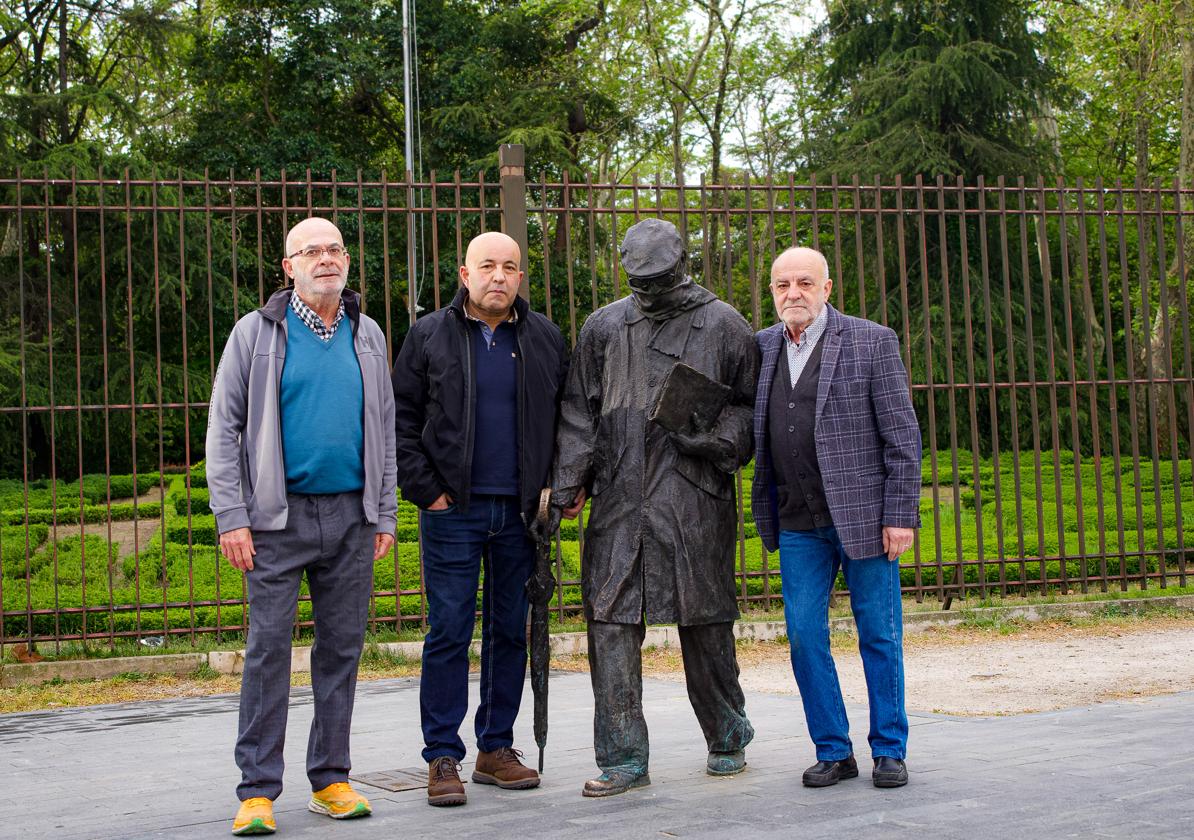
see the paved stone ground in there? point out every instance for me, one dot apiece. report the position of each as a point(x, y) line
point(164, 769)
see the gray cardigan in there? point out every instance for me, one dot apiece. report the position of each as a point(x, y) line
point(245, 474)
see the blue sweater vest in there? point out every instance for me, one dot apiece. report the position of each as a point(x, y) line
point(322, 408)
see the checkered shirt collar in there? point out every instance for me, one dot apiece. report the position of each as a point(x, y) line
point(307, 315)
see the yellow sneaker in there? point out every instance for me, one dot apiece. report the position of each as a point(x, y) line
point(256, 816)
point(340, 802)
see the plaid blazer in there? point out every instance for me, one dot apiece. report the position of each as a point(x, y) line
point(867, 436)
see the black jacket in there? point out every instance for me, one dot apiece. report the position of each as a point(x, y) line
point(435, 389)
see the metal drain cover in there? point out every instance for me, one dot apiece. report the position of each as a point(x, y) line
point(414, 778)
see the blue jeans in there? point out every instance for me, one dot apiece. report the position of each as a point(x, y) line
point(809, 562)
point(455, 547)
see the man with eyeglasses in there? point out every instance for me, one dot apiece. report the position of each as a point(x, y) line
point(301, 472)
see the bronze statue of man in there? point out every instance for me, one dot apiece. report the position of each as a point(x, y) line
point(659, 546)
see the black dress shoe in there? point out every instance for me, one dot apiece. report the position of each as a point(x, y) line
point(826, 773)
point(889, 772)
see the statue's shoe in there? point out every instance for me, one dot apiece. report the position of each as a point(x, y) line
point(617, 780)
point(726, 763)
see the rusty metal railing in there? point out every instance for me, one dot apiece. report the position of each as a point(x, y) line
point(1044, 328)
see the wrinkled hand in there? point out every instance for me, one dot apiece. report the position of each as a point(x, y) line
point(237, 546)
point(382, 543)
point(572, 510)
point(896, 541)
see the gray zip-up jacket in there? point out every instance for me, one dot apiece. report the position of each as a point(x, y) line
point(246, 478)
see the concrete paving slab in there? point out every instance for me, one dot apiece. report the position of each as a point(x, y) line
point(165, 769)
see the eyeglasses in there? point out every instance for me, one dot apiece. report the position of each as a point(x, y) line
point(316, 251)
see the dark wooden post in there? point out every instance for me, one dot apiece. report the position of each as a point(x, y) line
point(512, 169)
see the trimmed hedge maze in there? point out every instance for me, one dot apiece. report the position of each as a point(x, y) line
point(176, 580)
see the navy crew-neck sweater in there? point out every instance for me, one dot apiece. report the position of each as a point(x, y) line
point(322, 409)
point(495, 422)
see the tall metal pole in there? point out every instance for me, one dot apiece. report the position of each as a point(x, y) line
point(412, 293)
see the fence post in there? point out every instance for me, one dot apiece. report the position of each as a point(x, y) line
point(512, 170)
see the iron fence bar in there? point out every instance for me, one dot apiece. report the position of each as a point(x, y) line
point(1165, 401)
point(837, 242)
point(77, 313)
point(926, 310)
point(951, 392)
point(906, 320)
point(103, 269)
point(972, 396)
point(1184, 318)
point(1033, 392)
point(1013, 401)
point(881, 268)
point(1045, 261)
point(993, 396)
point(1169, 404)
point(1072, 391)
point(50, 383)
point(1147, 349)
point(1093, 391)
point(186, 414)
point(859, 256)
point(157, 332)
point(1130, 358)
point(1113, 392)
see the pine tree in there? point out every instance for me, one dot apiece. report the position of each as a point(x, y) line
point(932, 87)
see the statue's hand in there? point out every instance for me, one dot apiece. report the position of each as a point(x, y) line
point(543, 528)
point(705, 445)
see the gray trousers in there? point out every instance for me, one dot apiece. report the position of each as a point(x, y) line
point(328, 539)
point(711, 675)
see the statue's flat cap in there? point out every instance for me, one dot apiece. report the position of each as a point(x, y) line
point(650, 248)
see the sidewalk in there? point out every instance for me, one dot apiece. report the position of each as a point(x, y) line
point(165, 769)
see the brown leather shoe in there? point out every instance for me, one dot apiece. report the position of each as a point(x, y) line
point(443, 782)
point(503, 768)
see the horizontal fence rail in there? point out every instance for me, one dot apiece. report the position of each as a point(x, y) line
point(1044, 327)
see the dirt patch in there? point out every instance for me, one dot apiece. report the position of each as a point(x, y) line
point(130, 536)
point(959, 670)
point(979, 672)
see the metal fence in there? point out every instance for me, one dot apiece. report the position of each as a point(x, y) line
point(1045, 328)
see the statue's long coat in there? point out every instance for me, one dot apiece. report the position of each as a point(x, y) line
point(661, 532)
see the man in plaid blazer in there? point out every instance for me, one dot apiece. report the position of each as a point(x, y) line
point(837, 486)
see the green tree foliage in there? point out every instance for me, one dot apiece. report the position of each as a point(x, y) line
point(298, 84)
point(932, 87)
point(292, 84)
point(1121, 62)
point(81, 78)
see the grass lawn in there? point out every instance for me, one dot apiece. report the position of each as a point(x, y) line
point(1075, 524)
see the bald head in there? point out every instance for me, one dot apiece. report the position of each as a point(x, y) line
point(492, 274)
point(491, 242)
point(312, 231)
point(800, 287)
point(803, 257)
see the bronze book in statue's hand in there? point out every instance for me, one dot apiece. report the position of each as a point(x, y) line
point(689, 401)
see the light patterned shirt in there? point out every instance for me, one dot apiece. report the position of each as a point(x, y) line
point(307, 315)
point(800, 351)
